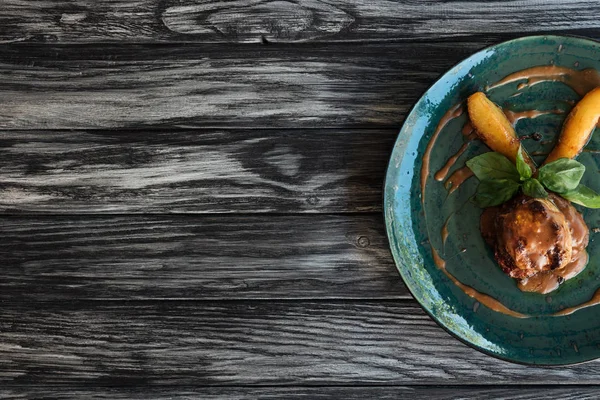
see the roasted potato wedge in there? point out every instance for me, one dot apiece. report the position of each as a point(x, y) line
point(493, 128)
point(578, 127)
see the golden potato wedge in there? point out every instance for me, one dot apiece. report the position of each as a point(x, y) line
point(493, 128)
point(578, 127)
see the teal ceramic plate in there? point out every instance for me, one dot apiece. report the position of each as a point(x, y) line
point(414, 226)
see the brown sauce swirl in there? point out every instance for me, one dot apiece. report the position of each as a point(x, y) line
point(457, 178)
point(580, 81)
point(468, 131)
point(595, 300)
point(454, 112)
point(444, 232)
point(443, 172)
point(515, 116)
point(482, 298)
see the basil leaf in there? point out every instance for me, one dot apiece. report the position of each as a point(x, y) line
point(493, 192)
point(583, 195)
point(562, 175)
point(523, 168)
point(533, 188)
point(493, 165)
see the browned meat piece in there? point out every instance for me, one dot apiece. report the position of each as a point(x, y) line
point(541, 242)
point(579, 229)
point(529, 236)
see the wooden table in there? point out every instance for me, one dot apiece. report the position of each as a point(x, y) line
point(191, 198)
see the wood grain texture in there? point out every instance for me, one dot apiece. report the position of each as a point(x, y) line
point(247, 343)
point(285, 20)
point(229, 306)
point(249, 257)
point(316, 393)
point(197, 171)
point(118, 86)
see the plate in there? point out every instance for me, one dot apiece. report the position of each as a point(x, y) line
point(467, 297)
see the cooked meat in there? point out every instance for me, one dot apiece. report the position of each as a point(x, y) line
point(541, 242)
point(580, 233)
point(528, 236)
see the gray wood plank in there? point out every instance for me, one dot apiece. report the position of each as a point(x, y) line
point(249, 20)
point(316, 393)
point(247, 343)
point(197, 171)
point(186, 257)
point(118, 86)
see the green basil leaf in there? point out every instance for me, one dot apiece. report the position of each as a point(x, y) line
point(523, 168)
point(583, 195)
point(493, 192)
point(533, 188)
point(562, 175)
point(493, 165)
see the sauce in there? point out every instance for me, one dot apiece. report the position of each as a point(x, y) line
point(468, 130)
point(439, 261)
point(469, 135)
point(547, 282)
point(444, 233)
point(595, 300)
point(442, 173)
point(457, 178)
point(580, 233)
point(454, 112)
point(482, 298)
point(515, 116)
point(580, 81)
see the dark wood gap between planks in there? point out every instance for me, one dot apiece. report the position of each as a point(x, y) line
point(183, 129)
point(74, 304)
point(344, 386)
point(35, 215)
point(400, 299)
point(484, 37)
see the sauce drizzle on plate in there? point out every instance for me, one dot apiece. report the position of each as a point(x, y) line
point(581, 81)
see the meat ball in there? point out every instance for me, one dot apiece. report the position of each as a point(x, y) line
point(529, 235)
